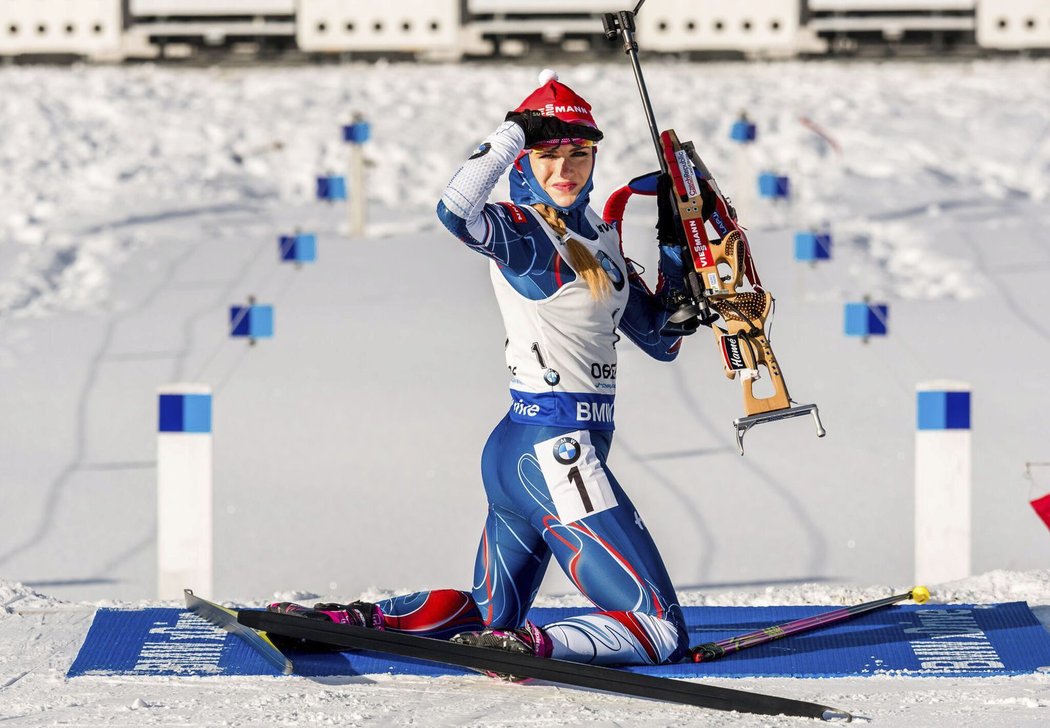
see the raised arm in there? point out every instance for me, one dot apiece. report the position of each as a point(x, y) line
point(501, 232)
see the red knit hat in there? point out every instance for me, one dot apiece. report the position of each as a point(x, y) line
point(556, 99)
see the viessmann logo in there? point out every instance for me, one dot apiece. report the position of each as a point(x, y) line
point(702, 253)
point(554, 110)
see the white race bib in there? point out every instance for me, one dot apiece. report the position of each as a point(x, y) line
point(575, 477)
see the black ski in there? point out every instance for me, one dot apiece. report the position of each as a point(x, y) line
point(525, 666)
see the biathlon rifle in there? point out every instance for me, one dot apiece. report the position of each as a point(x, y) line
point(718, 269)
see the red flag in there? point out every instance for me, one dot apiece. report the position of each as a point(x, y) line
point(1042, 508)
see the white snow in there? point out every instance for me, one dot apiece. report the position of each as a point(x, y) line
point(136, 204)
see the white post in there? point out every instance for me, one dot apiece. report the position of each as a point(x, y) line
point(942, 482)
point(743, 192)
point(358, 194)
point(184, 490)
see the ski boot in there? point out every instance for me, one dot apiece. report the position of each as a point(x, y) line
point(527, 640)
point(358, 614)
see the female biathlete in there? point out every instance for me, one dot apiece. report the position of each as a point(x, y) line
point(564, 289)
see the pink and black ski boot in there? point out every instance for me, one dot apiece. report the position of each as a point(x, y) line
point(358, 614)
point(527, 640)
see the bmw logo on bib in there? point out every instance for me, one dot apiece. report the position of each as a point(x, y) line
point(551, 377)
point(567, 451)
point(611, 269)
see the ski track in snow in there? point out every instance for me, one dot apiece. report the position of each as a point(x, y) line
point(55, 488)
point(66, 149)
point(815, 562)
point(998, 280)
point(104, 354)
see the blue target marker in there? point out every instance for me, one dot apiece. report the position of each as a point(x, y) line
point(298, 248)
point(774, 187)
point(867, 319)
point(358, 132)
point(331, 188)
point(251, 322)
point(743, 131)
point(811, 247)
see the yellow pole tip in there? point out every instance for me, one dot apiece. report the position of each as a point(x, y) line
point(920, 595)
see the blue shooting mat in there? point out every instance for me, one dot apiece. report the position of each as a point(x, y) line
point(930, 640)
point(163, 642)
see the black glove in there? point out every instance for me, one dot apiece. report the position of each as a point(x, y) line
point(667, 224)
point(539, 128)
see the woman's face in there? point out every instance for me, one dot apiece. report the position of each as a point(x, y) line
point(562, 171)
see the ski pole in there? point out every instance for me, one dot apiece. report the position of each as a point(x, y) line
point(713, 650)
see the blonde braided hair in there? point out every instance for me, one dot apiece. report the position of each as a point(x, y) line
point(581, 259)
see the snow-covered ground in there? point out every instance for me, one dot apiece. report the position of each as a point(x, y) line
point(136, 204)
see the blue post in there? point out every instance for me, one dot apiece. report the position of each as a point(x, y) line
point(357, 133)
point(774, 187)
point(943, 482)
point(867, 319)
point(184, 489)
point(298, 248)
point(811, 247)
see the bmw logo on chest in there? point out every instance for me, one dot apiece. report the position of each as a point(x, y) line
point(611, 269)
point(567, 450)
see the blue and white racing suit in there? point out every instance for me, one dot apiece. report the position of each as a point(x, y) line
point(550, 490)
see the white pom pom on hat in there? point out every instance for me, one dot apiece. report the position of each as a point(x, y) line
point(547, 75)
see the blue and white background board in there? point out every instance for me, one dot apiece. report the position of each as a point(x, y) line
point(866, 319)
point(810, 246)
point(252, 322)
point(943, 482)
point(299, 248)
point(184, 489)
